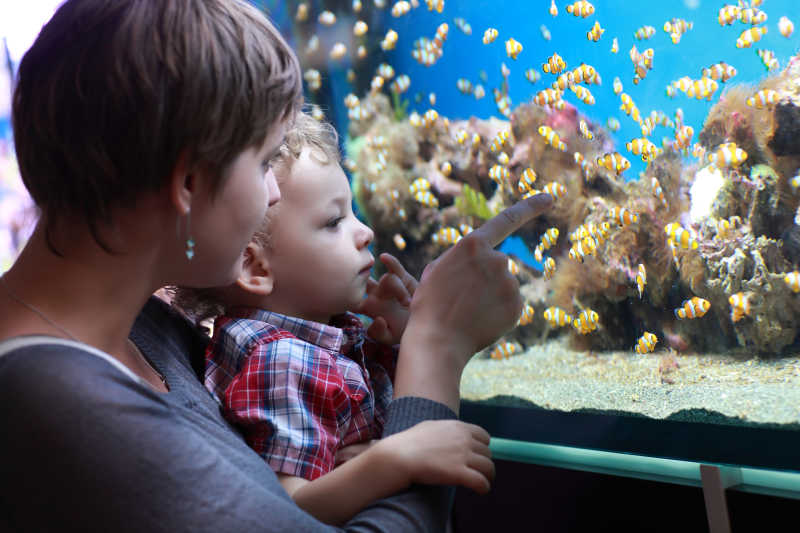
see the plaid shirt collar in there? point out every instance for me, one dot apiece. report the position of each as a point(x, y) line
point(342, 335)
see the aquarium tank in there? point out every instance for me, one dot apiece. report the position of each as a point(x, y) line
point(663, 287)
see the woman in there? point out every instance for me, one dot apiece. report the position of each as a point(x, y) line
point(131, 118)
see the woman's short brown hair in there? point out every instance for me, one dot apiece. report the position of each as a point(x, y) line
point(113, 92)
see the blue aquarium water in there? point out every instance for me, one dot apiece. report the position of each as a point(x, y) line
point(666, 285)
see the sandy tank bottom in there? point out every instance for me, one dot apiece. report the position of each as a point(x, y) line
point(553, 376)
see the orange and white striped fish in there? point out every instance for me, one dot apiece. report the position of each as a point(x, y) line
point(389, 40)
point(555, 64)
point(557, 316)
point(489, 35)
point(526, 180)
point(552, 138)
point(646, 343)
point(595, 33)
point(499, 140)
point(584, 94)
point(504, 350)
point(740, 306)
point(582, 248)
point(613, 161)
point(785, 26)
point(763, 99)
point(751, 36)
point(527, 315)
point(426, 198)
point(584, 73)
point(683, 137)
point(499, 174)
point(644, 33)
point(548, 238)
point(720, 71)
point(623, 216)
point(728, 14)
point(549, 266)
point(658, 191)
point(581, 8)
point(727, 155)
point(680, 237)
point(585, 131)
point(547, 97)
point(752, 15)
point(513, 48)
point(446, 235)
point(694, 307)
point(564, 80)
point(641, 279)
point(644, 147)
point(725, 225)
point(555, 189)
point(586, 322)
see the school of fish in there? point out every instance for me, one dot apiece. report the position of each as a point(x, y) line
point(586, 239)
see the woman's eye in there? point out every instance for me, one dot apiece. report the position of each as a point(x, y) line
point(332, 223)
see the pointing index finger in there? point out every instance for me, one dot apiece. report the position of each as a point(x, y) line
point(497, 228)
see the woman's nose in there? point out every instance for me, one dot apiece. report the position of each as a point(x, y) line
point(273, 192)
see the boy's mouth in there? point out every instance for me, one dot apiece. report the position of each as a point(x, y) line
point(367, 268)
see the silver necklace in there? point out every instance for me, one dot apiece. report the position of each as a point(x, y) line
point(65, 331)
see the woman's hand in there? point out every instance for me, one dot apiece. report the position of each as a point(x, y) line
point(465, 300)
point(443, 452)
point(387, 301)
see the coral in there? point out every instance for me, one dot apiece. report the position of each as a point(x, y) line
point(400, 107)
point(768, 214)
point(756, 267)
point(752, 257)
point(473, 203)
point(784, 139)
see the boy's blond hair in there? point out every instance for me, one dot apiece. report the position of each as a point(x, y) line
point(306, 132)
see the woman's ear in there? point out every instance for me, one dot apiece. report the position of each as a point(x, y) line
point(256, 276)
point(182, 185)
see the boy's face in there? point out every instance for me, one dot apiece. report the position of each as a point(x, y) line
point(318, 257)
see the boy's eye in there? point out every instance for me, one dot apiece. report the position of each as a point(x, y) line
point(332, 223)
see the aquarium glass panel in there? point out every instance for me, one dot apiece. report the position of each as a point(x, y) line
point(664, 282)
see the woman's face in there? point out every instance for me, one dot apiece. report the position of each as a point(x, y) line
point(223, 225)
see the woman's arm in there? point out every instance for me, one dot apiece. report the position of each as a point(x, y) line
point(88, 447)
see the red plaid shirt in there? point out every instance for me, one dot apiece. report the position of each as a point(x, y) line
point(299, 390)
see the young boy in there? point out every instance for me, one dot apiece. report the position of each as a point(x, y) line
point(292, 368)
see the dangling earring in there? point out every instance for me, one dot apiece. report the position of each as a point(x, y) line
point(189, 240)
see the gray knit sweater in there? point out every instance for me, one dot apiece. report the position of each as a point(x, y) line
point(85, 446)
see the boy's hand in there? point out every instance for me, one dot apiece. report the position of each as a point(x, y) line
point(387, 301)
point(444, 452)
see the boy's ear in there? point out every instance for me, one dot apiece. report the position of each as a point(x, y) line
point(256, 276)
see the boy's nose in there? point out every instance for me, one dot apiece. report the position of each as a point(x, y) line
point(365, 235)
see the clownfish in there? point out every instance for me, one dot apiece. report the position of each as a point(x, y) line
point(694, 307)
